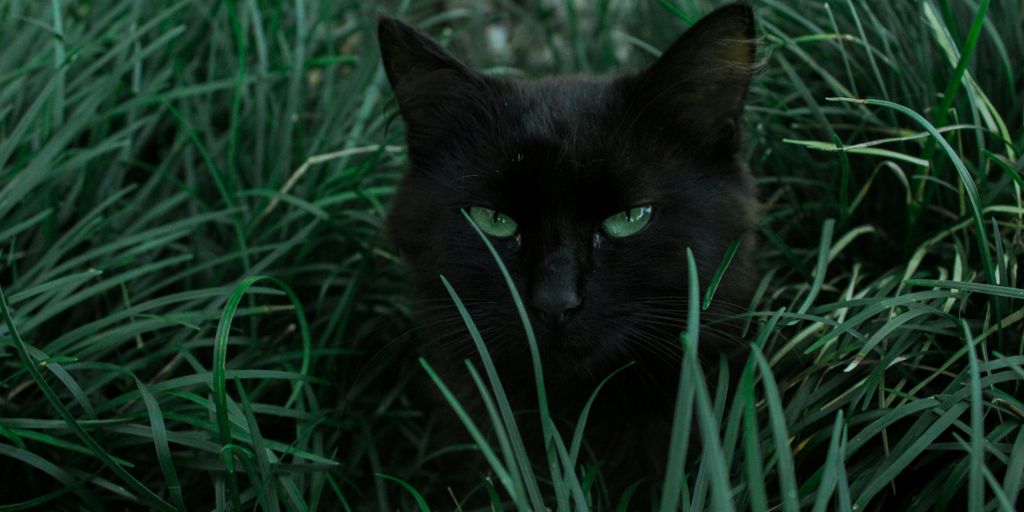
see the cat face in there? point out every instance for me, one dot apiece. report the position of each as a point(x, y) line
point(590, 189)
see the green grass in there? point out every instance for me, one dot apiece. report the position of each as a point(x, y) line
point(200, 310)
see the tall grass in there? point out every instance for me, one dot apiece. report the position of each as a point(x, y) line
point(200, 311)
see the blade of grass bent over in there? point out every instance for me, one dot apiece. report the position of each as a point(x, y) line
point(420, 502)
point(515, 440)
point(547, 426)
point(518, 492)
point(965, 176)
point(144, 494)
point(221, 347)
point(467, 421)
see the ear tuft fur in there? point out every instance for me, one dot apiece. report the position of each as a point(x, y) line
point(700, 83)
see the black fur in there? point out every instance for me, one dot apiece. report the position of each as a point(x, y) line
point(559, 155)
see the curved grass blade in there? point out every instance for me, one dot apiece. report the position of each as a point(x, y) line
point(265, 473)
point(716, 278)
point(1013, 480)
point(221, 349)
point(163, 449)
point(547, 425)
point(499, 427)
point(220, 353)
point(467, 421)
point(833, 461)
point(754, 462)
point(966, 179)
point(898, 462)
point(59, 474)
point(821, 268)
point(420, 502)
point(144, 494)
point(987, 289)
point(525, 471)
point(577, 437)
point(675, 484)
point(783, 453)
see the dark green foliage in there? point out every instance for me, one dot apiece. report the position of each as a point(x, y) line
point(157, 159)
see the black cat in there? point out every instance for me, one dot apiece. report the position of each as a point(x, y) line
point(591, 188)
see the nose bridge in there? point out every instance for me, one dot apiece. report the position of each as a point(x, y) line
point(559, 252)
point(560, 264)
point(555, 280)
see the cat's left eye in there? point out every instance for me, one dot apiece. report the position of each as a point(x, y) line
point(493, 223)
point(629, 222)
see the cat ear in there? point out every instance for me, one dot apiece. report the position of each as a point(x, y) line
point(424, 76)
point(701, 81)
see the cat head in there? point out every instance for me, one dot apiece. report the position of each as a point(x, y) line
point(591, 188)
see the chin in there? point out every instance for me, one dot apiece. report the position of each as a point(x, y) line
point(589, 357)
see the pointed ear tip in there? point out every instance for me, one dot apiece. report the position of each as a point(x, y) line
point(388, 27)
point(385, 23)
point(735, 21)
point(741, 12)
point(385, 26)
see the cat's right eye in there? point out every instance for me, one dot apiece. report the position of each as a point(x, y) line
point(493, 223)
point(629, 222)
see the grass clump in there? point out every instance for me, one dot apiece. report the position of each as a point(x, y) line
point(200, 311)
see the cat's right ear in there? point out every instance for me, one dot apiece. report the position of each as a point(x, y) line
point(424, 76)
point(700, 83)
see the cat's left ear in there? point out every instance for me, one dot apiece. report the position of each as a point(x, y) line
point(701, 81)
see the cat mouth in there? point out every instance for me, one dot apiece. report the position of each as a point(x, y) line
point(558, 336)
point(569, 344)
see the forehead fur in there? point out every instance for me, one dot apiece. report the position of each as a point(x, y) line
point(568, 109)
point(556, 139)
point(565, 123)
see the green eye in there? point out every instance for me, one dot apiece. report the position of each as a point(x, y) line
point(493, 223)
point(629, 222)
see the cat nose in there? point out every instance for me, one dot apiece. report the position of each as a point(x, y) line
point(555, 301)
point(553, 287)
